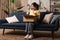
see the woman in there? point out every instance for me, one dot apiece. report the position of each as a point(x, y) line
point(34, 11)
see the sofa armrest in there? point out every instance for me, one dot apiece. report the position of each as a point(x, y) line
point(3, 21)
point(57, 22)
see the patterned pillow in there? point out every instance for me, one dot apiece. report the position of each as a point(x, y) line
point(12, 19)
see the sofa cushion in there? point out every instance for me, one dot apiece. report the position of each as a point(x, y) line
point(12, 19)
point(14, 24)
point(40, 21)
point(42, 14)
point(48, 18)
point(19, 15)
point(46, 26)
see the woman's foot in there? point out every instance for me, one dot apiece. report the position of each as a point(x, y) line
point(26, 37)
point(30, 37)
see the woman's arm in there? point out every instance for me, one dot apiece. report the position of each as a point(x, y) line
point(37, 13)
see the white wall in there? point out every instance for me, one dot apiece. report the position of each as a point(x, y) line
point(24, 3)
point(31, 1)
point(45, 3)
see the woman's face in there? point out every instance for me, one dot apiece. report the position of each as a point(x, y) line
point(32, 7)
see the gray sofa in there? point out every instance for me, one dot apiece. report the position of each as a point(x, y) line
point(21, 25)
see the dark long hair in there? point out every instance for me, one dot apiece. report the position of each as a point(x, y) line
point(35, 5)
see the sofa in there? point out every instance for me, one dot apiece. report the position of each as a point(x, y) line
point(21, 25)
point(18, 25)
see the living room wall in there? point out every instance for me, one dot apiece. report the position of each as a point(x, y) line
point(8, 6)
point(2, 14)
point(44, 3)
point(18, 3)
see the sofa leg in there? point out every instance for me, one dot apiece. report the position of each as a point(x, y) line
point(3, 31)
point(14, 29)
point(52, 35)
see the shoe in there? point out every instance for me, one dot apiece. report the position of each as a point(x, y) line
point(26, 37)
point(30, 36)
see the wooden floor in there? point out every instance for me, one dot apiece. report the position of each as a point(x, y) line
point(19, 35)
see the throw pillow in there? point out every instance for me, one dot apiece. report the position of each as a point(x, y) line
point(54, 18)
point(48, 18)
point(12, 19)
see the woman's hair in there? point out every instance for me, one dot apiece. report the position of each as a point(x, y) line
point(35, 5)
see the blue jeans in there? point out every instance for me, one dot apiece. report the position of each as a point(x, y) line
point(29, 27)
